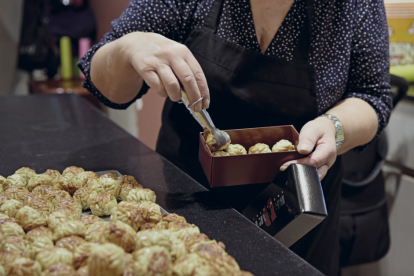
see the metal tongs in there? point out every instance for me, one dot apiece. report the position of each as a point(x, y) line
point(222, 139)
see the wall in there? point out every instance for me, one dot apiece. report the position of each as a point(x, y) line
point(105, 11)
point(10, 25)
point(400, 133)
point(150, 119)
point(149, 124)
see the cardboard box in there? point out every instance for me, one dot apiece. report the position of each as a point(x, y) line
point(250, 168)
point(291, 206)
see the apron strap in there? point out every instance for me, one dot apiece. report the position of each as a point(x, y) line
point(213, 16)
point(302, 49)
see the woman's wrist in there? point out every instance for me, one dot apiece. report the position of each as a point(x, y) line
point(327, 125)
point(112, 72)
point(339, 131)
point(124, 49)
point(359, 122)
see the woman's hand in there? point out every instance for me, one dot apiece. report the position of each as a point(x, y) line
point(119, 68)
point(319, 134)
point(164, 64)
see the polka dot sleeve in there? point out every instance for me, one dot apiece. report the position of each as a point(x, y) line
point(170, 18)
point(369, 64)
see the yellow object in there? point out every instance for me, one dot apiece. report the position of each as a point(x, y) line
point(400, 17)
point(405, 71)
point(220, 153)
point(184, 96)
point(236, 149)
point(401, 29)
point(75, 70)
point(283, 145)
point(66, 58)
point(259, 148)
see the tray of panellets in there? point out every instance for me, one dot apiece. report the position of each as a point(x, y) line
point(98, 223)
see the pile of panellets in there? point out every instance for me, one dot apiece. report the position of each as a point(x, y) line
point(42, 231)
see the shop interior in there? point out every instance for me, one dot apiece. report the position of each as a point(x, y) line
point(40, 59)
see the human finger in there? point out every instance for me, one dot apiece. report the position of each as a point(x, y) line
point(170, 82)
point(200, 79)
point(308, 137)
point(322, 171)
point(324, 154)
point(155, 83)
point(184, 73)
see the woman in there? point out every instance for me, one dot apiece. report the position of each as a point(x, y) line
point(257, 63)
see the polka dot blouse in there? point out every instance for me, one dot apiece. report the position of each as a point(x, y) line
point(349, 47)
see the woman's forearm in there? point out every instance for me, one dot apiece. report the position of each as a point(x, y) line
point(113, 74)
point(359, 121)
point(317, 137)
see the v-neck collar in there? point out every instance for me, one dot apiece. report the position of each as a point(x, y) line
point(295, 15)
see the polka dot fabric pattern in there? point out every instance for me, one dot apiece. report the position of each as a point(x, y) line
point(237, 26)
point(349, 46)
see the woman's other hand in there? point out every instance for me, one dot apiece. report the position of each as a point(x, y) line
point(318, 134)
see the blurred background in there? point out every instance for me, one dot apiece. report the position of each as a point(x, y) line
point(41, 41)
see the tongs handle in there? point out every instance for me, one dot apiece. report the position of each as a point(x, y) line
point(202, 117)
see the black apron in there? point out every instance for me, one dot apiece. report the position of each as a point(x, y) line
point(249, 89)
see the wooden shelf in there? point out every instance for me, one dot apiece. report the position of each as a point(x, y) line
point(73, 86)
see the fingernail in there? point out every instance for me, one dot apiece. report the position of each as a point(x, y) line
point(304, 148)
point(283, 168)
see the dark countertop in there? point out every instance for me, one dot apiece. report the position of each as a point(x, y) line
point(56, 131)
